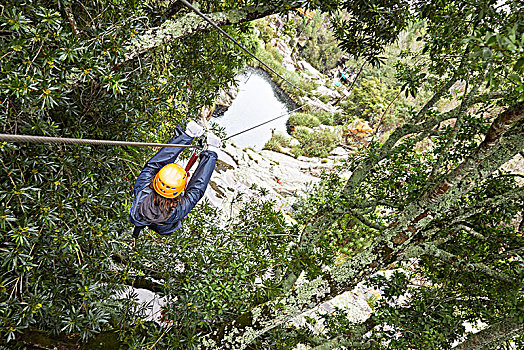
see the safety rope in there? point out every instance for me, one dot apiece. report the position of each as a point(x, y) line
point(64, 140)
point(195, 10)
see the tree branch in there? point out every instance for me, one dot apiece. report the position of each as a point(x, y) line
point(463, 213)
point(436, 97)
point(191, 23)
point(365, 221)
point(387, 248)
point(69, 13)
point(495, 334)
point(314, 231)
point(485, 152)
point(457, 262)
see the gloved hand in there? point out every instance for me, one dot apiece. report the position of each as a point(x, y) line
point(213, 142)
point(193, 129)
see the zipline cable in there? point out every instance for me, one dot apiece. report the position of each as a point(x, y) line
point(195, 10)
point(269, 121)
point(62, 140)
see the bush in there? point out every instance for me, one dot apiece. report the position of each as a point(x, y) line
point(339, 118)
point(303, 119)
point(325, 118)
point(276, 55)
point(276, 142)
point(314, 144)
point(266, 32)
point(369, 99)
point(273, 59)
point(321, 49)
point(324, 98)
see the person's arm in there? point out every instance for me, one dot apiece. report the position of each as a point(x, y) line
point(163, 157)
point(196, 187)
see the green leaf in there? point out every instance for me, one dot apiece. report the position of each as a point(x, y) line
point(486, 53)
point(519, 65)
point(516, 78)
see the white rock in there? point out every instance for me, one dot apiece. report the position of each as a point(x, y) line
point(316, 104)
point(289, 65)
point(281, 175)
point(310, 69)
point(226, 96)
point(294, 142)
point(339, 151)
point(152, 303)
point(326, 127)
point(304, 128)
point(324, 90)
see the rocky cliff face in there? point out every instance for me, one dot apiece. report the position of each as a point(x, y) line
point(245, 171)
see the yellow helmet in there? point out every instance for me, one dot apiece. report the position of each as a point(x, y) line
point(170, 181)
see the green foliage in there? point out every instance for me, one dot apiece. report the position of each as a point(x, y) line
point(325, 118)
point(311, 119)
point(63, 213)
point(365, 27)
point(303, 119)
point(266, 32)
point(347, 236)
point(275, 54)
point(214, 275)
point(466, 265)
point(65, 245)
point(270, 56)
point(314, 143)
point(370, 99)
point(276, 142)
point(321, 48)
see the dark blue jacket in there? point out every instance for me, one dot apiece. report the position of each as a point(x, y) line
point(195, 189)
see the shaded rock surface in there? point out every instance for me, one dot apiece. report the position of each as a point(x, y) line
point(244, 172)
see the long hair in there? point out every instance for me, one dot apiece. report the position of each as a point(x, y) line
point(166, 205)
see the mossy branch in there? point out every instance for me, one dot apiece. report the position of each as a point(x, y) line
point(387, 248)
point(504, 330)
point(191, 23)
point(457, 262)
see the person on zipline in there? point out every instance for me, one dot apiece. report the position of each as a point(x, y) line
point(163, 197)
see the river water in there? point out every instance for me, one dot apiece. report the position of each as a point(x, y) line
point(259, 99)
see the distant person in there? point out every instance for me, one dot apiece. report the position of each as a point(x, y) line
point(163, 196)
point(344, 77)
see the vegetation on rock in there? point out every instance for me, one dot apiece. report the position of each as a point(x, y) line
point(432, 201)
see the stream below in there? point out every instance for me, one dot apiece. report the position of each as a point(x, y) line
point(259, 99)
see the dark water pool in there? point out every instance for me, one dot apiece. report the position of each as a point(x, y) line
point(259, 99)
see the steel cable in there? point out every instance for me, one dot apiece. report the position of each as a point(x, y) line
point(62, 140)
point(69, 141)
point(195, 10)
point(269, 121)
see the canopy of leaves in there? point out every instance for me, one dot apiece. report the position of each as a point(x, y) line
point(433, 198)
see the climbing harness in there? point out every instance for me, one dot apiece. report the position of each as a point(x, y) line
point(199, 147)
